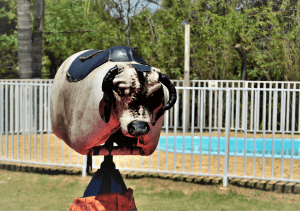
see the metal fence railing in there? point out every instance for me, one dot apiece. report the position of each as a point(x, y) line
point(237, 97)
point(219, 151)
point(250, 132)
point(16, 94)
point(27, 104)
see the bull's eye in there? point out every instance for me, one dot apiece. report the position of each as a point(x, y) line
point(155, 99)
point(120, 91)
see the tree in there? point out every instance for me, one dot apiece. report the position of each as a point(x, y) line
point(30, 44)
point(8, 40)
point(124, 11)
point(24, 40)
point(270, 38)
point(7, 25)
point(38, 24)
point(61, 38)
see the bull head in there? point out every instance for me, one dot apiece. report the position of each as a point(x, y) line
point(136, 94)
point(130, 95)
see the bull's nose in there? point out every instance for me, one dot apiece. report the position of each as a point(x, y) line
point(137, 128)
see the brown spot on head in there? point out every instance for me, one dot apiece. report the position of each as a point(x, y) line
point(62, 128)
point(66, 106)
point(79, 115)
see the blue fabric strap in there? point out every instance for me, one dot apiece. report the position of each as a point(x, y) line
point(80, 68)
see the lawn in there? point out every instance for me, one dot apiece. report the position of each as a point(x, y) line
point(33, 191)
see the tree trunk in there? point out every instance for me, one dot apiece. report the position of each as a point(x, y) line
point(127, 34)
point(53, 66)
point(39, 14)
point(24, 40)
point(242, 54)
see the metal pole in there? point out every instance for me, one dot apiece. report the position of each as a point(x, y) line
point(227, 136)
point(183, 130)
point(1, 119)
point(84, 166)
point(187, 74)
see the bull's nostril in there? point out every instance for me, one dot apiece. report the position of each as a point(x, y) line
point(131, 129)
point(136, 128)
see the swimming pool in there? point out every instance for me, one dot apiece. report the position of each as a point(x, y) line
point(239, 150)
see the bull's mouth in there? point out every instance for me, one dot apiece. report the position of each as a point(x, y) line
point(121, 140)
point(118, 144)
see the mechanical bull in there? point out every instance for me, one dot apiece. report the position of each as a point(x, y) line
point(110, 96)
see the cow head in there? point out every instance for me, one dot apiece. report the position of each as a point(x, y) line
point(136, 96)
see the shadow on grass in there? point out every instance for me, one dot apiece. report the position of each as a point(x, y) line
point(51, 170)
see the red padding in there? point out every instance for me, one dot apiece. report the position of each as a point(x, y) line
point(106, 201)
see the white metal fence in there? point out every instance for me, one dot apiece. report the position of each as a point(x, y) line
point(16, 93)
point(269, 156)
point(21, 105)
point(43, 94)
point(225, 112)
point(252, 85)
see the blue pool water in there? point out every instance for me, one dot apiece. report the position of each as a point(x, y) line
point(239, 150)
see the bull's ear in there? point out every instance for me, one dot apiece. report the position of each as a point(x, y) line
point(104, 111)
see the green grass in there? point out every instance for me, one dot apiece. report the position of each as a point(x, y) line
point(201, 200)
point(32, 191)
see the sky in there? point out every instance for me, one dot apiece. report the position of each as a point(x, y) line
point(153, 6)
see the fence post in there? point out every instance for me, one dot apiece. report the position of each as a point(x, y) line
point(227, 137)
point(84, 166)
point(244, 103)
point(187, 75)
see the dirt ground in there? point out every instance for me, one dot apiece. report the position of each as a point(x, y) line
point(204, 164)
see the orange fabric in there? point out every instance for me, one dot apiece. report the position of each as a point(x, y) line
point(105, 202)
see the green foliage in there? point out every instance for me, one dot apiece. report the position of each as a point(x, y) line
point(271, 40)
point(69, 16)
point(166, 35)
point(8, 44)
point(11, 14)
point(9, 55)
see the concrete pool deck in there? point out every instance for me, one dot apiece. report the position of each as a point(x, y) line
point(232, 134)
